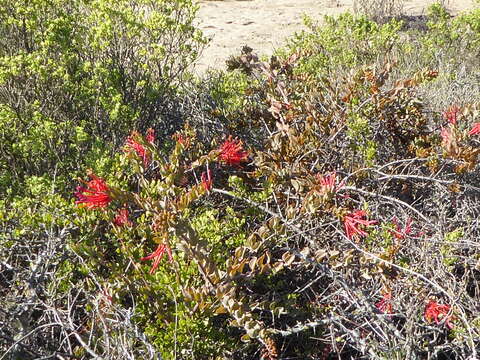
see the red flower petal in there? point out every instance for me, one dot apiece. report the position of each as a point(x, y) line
point(328, 183)
point(132, 145)
point(157, 255)
point(437, 313)
point(95, 195)
point(352, 222)
point(475, 129)
point(451, 114)
point(207, 180)
point(150, 137)
point(121, 219)
point(385, 305)
point(232, 153)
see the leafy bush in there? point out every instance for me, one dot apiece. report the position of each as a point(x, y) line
point(75, 77)
point(342, 43)
point(73, 71)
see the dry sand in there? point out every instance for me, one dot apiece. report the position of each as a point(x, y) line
point(265, 24)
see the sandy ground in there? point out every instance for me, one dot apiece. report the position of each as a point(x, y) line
point(265, 24)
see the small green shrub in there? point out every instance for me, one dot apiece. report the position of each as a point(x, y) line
point(342, 43)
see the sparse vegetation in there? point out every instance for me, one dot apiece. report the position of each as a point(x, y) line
point(379, 10)
point(319, 205)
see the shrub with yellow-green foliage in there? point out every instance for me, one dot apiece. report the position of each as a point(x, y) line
point(73, 72)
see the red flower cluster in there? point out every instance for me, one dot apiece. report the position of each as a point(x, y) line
point(385, 305)
point(95, 194)
point(157, 255)
point(181, 139)
point(132, 145)
point(328, 183)
point(451, 114)
point(232, 153)
point(121, 219)
point(207, 180)
point(398, 232)
point(352, 222)
point(437, 313)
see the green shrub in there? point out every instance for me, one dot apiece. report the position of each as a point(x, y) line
point(342, 43)
point(74, 71)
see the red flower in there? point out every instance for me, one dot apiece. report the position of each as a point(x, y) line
point(181, 139)
point(231, 152)
point(95, 195)
point(121, 219)
point(352, 222)
point(451, 114)
point(132, 145)
point(475, 129)
point(437, 313)
point(207, 180)
point(150, 137)
point(385, 305)
point(398, 232)
point(328, 183)
point(158, 255)
point(185, 141)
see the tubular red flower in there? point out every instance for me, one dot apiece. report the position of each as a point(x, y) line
point(232, 153)
point(328, 183)
point(95, 194)
point(132, 145)
point(451, 114)
point(475, 129)
point(385, 305)
point(352, 222)
point(157, 255)
point(207, 180)
point(181, 139)
point(121, 218)
point(435, 312)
